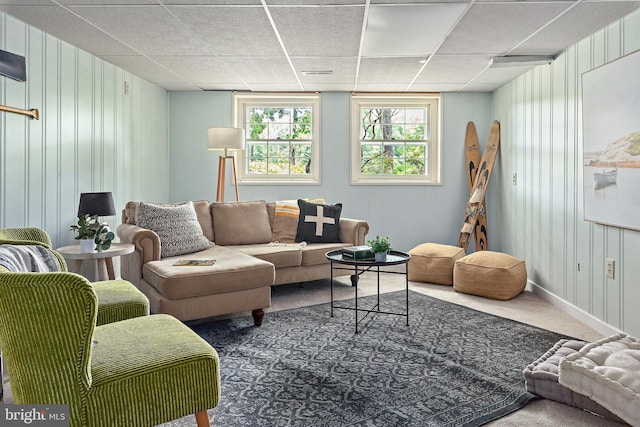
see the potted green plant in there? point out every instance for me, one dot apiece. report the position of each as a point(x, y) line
point(380, 247)
point(93, 234)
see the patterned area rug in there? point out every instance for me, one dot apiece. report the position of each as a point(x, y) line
point(452, 366)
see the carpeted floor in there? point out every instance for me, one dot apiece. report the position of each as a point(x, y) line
point(452, 366)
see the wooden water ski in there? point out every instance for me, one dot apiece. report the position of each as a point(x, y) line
point(480, 185)
point(472, 150)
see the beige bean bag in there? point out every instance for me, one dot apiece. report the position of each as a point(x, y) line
point(433, 263)
point(490, 274)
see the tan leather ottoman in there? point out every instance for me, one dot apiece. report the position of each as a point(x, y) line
point(490, 274)
point(433, 263)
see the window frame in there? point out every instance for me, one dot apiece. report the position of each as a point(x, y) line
point(242, 101)
point(434, 149)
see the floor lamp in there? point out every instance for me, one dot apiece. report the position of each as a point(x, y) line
point(227, 139)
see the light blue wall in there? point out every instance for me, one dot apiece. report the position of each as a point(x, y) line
point(408, 214)
point(542, 216)
point(92, 136)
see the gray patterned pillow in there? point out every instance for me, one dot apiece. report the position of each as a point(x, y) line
point(177, 226)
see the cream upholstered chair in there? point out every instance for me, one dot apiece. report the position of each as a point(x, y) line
point(137, 372)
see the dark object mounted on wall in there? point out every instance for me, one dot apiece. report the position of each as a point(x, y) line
point(13, 66)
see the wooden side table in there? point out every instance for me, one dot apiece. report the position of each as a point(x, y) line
point(95, 266)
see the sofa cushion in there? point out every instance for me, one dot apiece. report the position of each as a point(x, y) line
point(315, 254)
point(201, 207)
point(281, 255)
point(607, 372)
point(241, 223)
point(318, 223)
point(541, 378)
point(285, 221)
point(232, 271)
point(177, 226)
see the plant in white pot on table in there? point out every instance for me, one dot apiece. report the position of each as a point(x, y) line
point(93, 234)
point(380, 247)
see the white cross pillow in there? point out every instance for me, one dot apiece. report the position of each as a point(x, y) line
point(318, 223)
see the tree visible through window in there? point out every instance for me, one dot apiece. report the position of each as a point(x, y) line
point(279, 140)
point(393, 141)
point(396, 140)
point(281, 137)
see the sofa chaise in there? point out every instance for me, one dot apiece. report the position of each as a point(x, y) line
point(251, 244)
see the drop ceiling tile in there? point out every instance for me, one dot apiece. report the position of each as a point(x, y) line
point(201, 69)
point(145, 68)
point(426, 87)
point(26, 2)
point(65, 26)
point(222, 29)
point(105, 2)
point(500, 75)
point(408, 30)
point(332, 87)
point(266, 87)
point(452, 69)
point(206, 70)
point(239, 86)
point(319, 31)
point(152, 30)
point(481, 87)
point(213, 2)
point(381, 87)
point(388, 70)
point(497, 27)
point(314, 2)
point(584, 19)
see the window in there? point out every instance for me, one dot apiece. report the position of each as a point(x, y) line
point(282, 138)
point(395, 139)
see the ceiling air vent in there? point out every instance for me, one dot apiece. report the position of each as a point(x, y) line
point(317, 73)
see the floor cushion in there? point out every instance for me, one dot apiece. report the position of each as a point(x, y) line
point(490, 274)
point(541, 378)
point(607, 371)
point(433, 263)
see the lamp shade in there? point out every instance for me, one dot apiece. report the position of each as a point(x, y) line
point(100, 204)
point(225, 139)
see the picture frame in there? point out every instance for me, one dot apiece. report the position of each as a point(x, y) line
point(611, 142)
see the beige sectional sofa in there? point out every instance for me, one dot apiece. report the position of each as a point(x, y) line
point(253, 250)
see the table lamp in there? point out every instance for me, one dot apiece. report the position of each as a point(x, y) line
point(98, 204)
point(227, 139)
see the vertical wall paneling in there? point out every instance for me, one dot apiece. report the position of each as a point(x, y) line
point(87, 137)
point(543, 111)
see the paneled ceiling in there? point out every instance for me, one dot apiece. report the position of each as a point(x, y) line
point(319, 45)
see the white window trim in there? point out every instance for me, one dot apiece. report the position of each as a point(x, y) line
point(244, 100)
point(434, 161)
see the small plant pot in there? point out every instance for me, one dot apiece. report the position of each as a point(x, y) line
point(381, 256)
point(87, 246)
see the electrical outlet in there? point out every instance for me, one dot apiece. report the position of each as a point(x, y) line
point(514, 178)
point(610, 266)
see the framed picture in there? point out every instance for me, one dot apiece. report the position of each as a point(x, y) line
point(611, 138)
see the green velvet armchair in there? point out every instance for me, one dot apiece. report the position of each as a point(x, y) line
point(137, 372)
point(117, 299)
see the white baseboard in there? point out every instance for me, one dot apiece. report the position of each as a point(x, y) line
point(572, 310)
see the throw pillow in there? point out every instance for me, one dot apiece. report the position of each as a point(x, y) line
point(177, 226)
point(318, 223)
point(241, 223)
point(285, 220)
